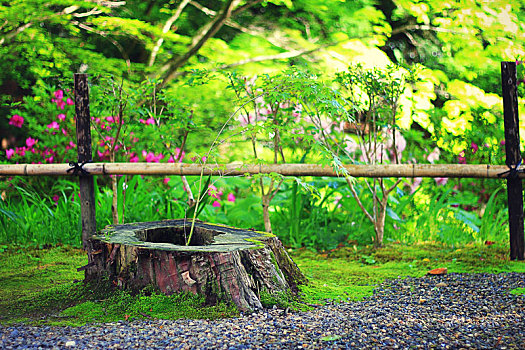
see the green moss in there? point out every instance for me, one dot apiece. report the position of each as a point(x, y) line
point(123, 305)
point(44, 287)
point(345, 274)
point(26, 272)
point(518, 291)
point(274, 261)
point(283, 300)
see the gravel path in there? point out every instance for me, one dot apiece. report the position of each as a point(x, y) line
point(452, 311)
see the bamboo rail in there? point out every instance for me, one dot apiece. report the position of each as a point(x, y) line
point(238, 169)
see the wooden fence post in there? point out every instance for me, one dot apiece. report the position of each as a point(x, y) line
point(513, 158)
point(87, 188)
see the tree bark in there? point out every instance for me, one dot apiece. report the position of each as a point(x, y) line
point(222, 263)
point(209, 31)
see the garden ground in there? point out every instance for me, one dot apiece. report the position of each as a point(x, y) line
point(41, 286)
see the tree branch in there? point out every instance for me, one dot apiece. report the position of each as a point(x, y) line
point(354, 193)
point(232, 24)
point(13, 33)
point(409, 27)
point(105, 35)
point(171, 67)
point(165, 29)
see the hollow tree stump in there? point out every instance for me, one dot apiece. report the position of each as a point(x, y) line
point(221, 262)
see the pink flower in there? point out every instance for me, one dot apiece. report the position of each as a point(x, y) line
point(112, 119)
point(71, 145)
point(103, 126)
point(194, 159)
point(69, 102)
point(50, 159)
point(474, 147)
point(133, 158)
point(415, 184)
point(461, 158)
point(9, 153)
point(53, 125)
point(55, 199)
point(216, 204)
point(103, 155)
point(61, 104)
point(178, 155)
point(73, 196)
point(61, 116)
point(231, 197)
point(16, 120)
point(351, 145)
point(166, 180)
point(149, 121)
point(440, 181)
point(400, 145)
point(434, 155)
point(151, 157)
point(59, 94)
point(21, 151)
point(214, 192)
point(30, 142)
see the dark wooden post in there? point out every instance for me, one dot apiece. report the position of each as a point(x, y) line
point(87, 188)
point(512, 149)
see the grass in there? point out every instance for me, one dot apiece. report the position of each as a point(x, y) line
point(42, 286)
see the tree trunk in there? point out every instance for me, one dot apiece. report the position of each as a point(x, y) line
point(380, 224)
point(266, 213)
point(222, 263)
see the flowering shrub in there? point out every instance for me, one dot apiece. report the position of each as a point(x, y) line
point(47, 142)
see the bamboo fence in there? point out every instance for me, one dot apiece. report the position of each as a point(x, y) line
point(239, 169)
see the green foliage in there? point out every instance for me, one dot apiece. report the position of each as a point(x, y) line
point(30, 218)
point(306, 219)
point(285, 54)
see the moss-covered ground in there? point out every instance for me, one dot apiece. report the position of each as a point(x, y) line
point(42, 286)
point(352, 273)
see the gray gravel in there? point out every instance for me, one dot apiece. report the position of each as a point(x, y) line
point(453, 311)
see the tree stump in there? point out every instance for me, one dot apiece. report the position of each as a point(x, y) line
point(221, 262)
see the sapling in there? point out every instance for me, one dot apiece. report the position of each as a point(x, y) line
point(374, 95)
point(203, 191)
point(285, 113)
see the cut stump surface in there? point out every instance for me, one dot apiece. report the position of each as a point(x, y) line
point(221, 262)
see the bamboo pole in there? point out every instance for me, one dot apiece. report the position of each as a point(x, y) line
point(238, 169)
